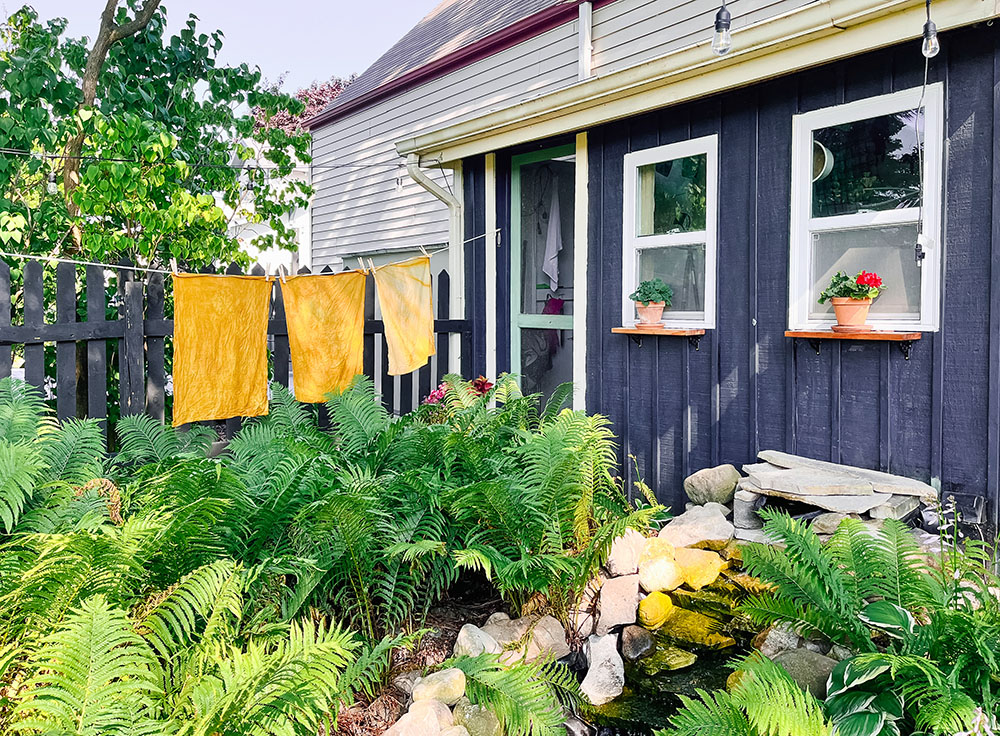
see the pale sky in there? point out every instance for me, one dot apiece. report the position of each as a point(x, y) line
point(309, 39)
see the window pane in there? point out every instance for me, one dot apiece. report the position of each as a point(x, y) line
point(546, 360)
point(868, 165)
point(683, 268)
point(886, 250)
point(672, 196)
point(546, 215)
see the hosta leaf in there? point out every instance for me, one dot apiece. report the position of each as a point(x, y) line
point(893, 620)
point(850, 673)
point(861, 724)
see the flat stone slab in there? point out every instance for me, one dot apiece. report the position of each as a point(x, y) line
point(807, 481)
point(840, 504)
point(885, 483)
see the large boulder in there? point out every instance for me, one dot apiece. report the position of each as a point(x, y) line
point(657, 569)
point(625, 551)
point(779, 638)
point(699, 567)
point(528, 638)
point(637, 643)
point(473, 641)
point(476, 719)
point(655, 609)
point(448, 686)
point(700, 527)
point(810, 670)
point(605, 677)
point(716, 484)
point(693, 629)
point(666, 659)
point(827, 523)
point(619, 599)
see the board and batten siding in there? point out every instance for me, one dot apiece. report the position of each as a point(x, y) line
point(357, 210)
point(746, 387)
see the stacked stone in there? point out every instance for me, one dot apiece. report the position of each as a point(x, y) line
point(825, 494)
point(439, 707)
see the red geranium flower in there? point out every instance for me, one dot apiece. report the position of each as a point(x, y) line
point(871, 280)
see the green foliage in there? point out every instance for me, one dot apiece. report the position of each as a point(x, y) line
point(926, 637)
point(764, 702)
point(528, 698)
point(842, 285)
point(654, 290)
point(215, 579)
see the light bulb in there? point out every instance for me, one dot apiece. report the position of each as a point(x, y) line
point(722, 41)
point(399, 179)
point(931, 46)
point(52, 187)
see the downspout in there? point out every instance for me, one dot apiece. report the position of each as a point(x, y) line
point(456, 259)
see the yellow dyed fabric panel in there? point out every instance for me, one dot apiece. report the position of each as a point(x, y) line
point(326, 327)
point(404, 294)
point(220, 347)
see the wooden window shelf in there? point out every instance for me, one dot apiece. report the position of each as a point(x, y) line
point(904, 339)
point(693, 334)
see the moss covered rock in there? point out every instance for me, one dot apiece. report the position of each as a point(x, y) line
point(699, 567)
point(693, 629)
point(655, 609)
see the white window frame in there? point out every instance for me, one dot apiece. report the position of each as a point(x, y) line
point(632, 242)
point(803, 225)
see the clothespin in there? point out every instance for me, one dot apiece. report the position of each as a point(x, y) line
point(173, 265)
point(424, 251)
point(372, 263)
point(281, 272)
point(361, 265)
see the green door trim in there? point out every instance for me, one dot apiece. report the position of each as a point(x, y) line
point(519, 320)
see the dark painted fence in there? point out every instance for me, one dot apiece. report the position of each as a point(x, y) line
point(138, 338)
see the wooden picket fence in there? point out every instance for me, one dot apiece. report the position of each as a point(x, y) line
point(139, 335)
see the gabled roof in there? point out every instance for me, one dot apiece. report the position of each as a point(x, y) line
point(454, 34)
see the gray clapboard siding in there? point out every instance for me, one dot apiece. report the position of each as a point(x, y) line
point(628, 32)
point(358, 210)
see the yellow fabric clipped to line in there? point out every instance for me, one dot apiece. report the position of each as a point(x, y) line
point(404, 295)
point(220, 346)
point(326, 326)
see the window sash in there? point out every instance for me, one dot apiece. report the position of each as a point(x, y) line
point(803, 225)
point(633, 243)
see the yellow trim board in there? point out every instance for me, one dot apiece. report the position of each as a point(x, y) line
point(814, 34)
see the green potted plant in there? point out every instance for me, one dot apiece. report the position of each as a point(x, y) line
point(651, 298)
point(851, 299)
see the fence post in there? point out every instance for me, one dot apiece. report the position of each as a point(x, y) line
point(234, 424)
point(66, 350)
point(131, 358)
point(280, 353)
point(156, 369)
point(34, 316)
point(444, 338)
point(97, 350)
point(5, 350)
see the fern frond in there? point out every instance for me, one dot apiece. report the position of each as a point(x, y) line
point(774, 704)
point(72, 451)
point(20, 466)
point(712, 714)
point(22, 411)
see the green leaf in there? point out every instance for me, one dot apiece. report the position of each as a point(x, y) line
point(861, 724)
point(849, 674)
point(893, 620)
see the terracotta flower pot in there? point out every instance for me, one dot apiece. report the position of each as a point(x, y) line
point(649, 314)
point(851, 314)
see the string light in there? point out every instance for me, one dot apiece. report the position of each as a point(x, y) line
point(52, 187)
point(722, 40)
point(931, 46)
point(399, 177)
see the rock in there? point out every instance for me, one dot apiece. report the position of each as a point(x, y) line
point(593, 589)
point(882, 482)
point(548, 639)
point(752, 535)
point(477, 720)
point(527, 637)
point(448, 686)
point(655, 609)
point(779, 638)
point(440, 711)
point(576, 727)
point(810, 670)
point(422, 723)
point(473, 641)
point(745, 510)
point(455, 731)
point(605, 677)
point(734, 680)
point(827, 523)
point(581, 622)
point(619, 598)
point(807, 481)
point(666, 659)
point(657, 569)
point(840, 504)
point(720, 507)
point(625, 551)
point(636, 643)
point(839, 652)
point(405, 680)
point(712, 484)
point(732, 552)
point(699, 527)
point(506, 631)
point(497, 618)
point(690, 628)
point(897, 507)
point(699, 567)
